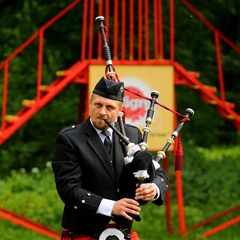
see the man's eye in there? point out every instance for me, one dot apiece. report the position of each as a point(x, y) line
point(98, 105)
point(110, 107)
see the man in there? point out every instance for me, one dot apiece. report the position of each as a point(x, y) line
point(96, 187)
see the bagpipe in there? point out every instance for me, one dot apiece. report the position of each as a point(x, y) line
point(137, 153)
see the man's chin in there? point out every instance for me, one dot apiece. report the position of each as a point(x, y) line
point(101, 125)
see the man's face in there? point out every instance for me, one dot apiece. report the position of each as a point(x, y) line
point(103, 108)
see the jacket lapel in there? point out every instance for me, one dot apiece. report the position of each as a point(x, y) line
point(98, 147)
point(118, 157)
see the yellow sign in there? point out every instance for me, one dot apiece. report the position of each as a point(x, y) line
point(143, 80)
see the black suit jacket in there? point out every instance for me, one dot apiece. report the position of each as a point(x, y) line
point(84, 176)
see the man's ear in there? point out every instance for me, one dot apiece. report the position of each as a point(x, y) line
point(122, 108)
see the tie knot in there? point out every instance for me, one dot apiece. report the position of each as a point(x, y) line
point(106, 133)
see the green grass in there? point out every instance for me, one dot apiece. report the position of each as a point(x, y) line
point(151, 227)
point(210, 186)
point(11, 231)
point(153, 224)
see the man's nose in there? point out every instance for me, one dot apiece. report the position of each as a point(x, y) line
point(103, 111)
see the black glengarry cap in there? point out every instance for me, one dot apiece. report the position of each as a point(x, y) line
point(110, 89)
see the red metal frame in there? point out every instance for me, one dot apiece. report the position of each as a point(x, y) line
point(217, 37)
point(224, 108)
point(8, 128)
point(26, 223)
point(125, 39)
point(211, 219)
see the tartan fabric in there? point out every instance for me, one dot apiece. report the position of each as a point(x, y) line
point(134, 235)
point(66, 235)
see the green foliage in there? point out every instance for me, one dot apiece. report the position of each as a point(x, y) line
point(12, 231)
point(33, 196)
point(33, 144)
point(210, 183)
point(210, 173)
point(222, 162)
point(35, 140)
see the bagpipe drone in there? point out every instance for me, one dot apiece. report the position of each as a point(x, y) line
point(136, 153)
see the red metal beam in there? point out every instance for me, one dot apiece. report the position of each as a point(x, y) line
point(84, 30)
point(5, 94)
point(43, 28)
point(52, 91)
point(211, 219)
point(27, 223)
point(140, 45)
point(123, 28)
point(180, 202)
point(172, 33)
point(210, 26)
point(91, 29)
point(221, 227)
point(115, 30)
point(168, 199)
point(160, 20)
point(219, 66)
point(143, 58)
point(40, 62)
point(131, 30)
point(146, 29)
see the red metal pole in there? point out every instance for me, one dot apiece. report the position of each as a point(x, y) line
point(179, 187)
point(219, 65)
point(26, 223)
point(172, 47)
point(211, 219)
point(91, 24)
point(131, 30)
point(107, 20)
point(123, 29)
point(180, 201)
point(40, 61)
point(115, 32)
point(54, 89)
point(221, 227)
point(5, 94)
point(84, 30)
point(44, 27)
point(210, 26)
point(168, 198)
point(160, 29)
point(140, 30)
point(146, 30)
point(99, 46)
point(156, 24)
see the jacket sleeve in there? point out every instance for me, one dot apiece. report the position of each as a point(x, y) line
point(161, 180)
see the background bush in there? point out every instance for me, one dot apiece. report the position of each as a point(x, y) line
point(210, 183)
point(211, 165)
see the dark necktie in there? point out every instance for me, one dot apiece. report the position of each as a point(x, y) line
point(107, 141)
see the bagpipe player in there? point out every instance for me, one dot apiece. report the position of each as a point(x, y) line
point(98, 189)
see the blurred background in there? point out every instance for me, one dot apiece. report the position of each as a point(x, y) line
point(199, 39)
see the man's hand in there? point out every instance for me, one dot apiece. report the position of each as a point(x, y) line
point(146, 192)
point(126, 207)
